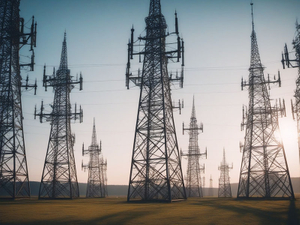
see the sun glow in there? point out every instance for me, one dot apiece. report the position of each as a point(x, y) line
point(288, 131)
point(289, 136)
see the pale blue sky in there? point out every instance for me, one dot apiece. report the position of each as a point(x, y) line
point(217, 56)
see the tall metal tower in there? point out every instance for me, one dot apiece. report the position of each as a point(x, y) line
point(14, 180)
point(96, 185)
point(286, 61)
point(211, 189)
point(59, 178)
point(224, 180)
point(156, 172)
point(264, 170)
point(103, 171)
point(194, 169)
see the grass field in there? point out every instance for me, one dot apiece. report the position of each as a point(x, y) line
point(118, 211)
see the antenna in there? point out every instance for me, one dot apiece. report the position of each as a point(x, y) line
point(96, 184)
point(294, 63)
point(224, 190)
point(59, 166)
point(176, 23)
point(252, 15)
point(14, 179)
point(268, 154)
point(194, 169)
point(147, 172)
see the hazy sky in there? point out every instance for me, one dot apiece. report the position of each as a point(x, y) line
point(217, 56)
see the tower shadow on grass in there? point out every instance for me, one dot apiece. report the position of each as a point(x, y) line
point(265, 216)
point(120, 218)
point(293, 214)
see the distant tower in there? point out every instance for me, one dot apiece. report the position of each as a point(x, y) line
point(14, 180)
point(103, 175)
point(211, 189)
point(294, 63)
point(156, 172)
point(59, 178)
point(264, 170)
point(224, 181)
point(96, 185)
point(193, 179)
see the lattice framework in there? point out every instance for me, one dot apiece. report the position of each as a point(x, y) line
point(14, 179)
point(194, 169)
point(96, 184)
point(224, 180)
point(294, 63)
point(156, 172)
point(264, 170)
point(59, 177)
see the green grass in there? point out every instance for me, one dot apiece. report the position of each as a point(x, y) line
point(118, 211)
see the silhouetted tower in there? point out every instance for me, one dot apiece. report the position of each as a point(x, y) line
point(96, 185)
point(294, 63)
point(156, 172)
point(59, 178)
point(211, 189)
point(264, 170)
point(224, 180)
point(14, 180)
point(194, 169)
point(103, 170)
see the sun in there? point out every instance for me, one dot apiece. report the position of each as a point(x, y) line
point(288, 132)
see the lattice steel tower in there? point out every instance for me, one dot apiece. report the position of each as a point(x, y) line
point(194, 169)
point(211, 189)
point(14, 180)
point(224, 180)
point(294, 63)
point(59, 178)
point(96, 185)
point(264, 170)
point(156, 172)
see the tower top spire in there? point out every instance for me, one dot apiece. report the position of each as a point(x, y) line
point(94, 135)
point(64, 58)
point(224, 158)
point(65, 36)
point(193, 108)
point(252, 16)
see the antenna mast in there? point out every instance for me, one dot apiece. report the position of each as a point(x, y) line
point(294, 63)
point(96, 185)
point(14, 179)
point(59, 178)
point(193, 179)
point(264, 170)
point(156, 172)
point(224, 180)
point(211, 189)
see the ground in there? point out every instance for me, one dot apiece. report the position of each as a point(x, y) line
point(118, 211)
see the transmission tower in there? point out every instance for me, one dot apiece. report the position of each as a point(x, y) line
point(59, 178)
point(156, 172)
point(103, 170)
point(194, 169)
point(211, 190)
point(286, 61)
point(96, 185)
point(224, 181)
point(14, 180)
point(264, 170)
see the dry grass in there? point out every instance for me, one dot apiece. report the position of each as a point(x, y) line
point(118, 211)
